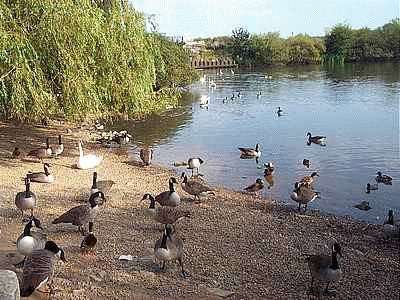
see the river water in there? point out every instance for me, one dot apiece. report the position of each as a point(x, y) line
point(356, 106)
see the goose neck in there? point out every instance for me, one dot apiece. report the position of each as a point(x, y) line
point(335, 263)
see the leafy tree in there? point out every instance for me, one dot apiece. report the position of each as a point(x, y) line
point(240, 47)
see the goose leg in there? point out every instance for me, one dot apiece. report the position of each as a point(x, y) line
point(328, 292)
point(299, 206)
point(305, 208)
point(184, 274)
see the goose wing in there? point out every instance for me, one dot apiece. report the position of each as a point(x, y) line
point(78, 215)
point(163, 198)
point(196, 187)
point(38, 268)
point(169, 215)
point(246, 150)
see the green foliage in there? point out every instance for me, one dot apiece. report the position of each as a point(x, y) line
point(269, 49)
point(346, 44)
point(173, 64)
point(80, 58)
point(240, 46)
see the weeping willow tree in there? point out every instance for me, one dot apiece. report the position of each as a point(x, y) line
point(76, 59)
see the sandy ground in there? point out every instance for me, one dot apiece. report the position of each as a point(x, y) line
point(231, 242)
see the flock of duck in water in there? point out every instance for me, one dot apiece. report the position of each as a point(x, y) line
point(41, 254)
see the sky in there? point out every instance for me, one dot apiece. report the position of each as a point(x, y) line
point(207, 18)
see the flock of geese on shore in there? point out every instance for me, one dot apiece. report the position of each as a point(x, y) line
point(41, 254)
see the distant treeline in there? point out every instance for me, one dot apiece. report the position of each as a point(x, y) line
point(75, 59)
point(340, 44)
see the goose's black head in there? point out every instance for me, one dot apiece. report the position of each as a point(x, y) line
point(184, 177)
point(337, 249)
point(257, 147)
point(52, 247)
point(36, 222)
point(296, 186)
point(148, 196)
point(313, 174)
point(200, 160)
point(173, 180)
point(379, 174)
point(309, 134)
point(259, 181)
point(92, 199)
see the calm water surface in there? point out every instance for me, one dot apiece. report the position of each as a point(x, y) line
point(356, 107)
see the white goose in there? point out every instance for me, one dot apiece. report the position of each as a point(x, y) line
point(204, 100)
point(88, 161)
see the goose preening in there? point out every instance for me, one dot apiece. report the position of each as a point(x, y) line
point(89, 241)
point(255, 187)
point(195, 188)
point(269, 169)
point(41, 177)
point(250, 152)
point(26, 200)
point(169, 248)
point(317, 139)
point(59, 149)
point(87, 161)
point(103, 186)
point(308, 180)
point(391, 228)
point(170, 197)
point(204, 100)
point(386, 179)
point(325, 268)
point(41, 153)
point(194, 164)
point(165, 214)
point(16, 153)
point(303, 195)
point(39, 269)
point(146, 155)
point(29, 240)
point(81, 215)
point(306, 163)
point(371, 187)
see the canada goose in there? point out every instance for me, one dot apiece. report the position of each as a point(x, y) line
point(165, 214)
point(259, 95)
point(89, 241)
point(250, 152)
point(41, 177)
point(170, 197)
point(82, 214)
point(212, 84)
point(146, 155)
point(29, 241)
point(16, 153)
point(391, 228)
point(233, 97)
point(225, 100)
point(169, 248)
point(195, 188)
point(371, 187)
point(306, 163)
point(122, 137)
point(194, 163)
point(386, 179)
point(204, 100)
point(325, 268)
point(41, 153)
point(255, 187)
point(303, 195)
point(27, 199)
point(279, 111)
point(59, 149)
point(269, 169)
point(88, 161)
point(318, 139)
point(308, 180)
point(39, 268)
point(239, 95)
point(103, 186)
point(364, 205)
